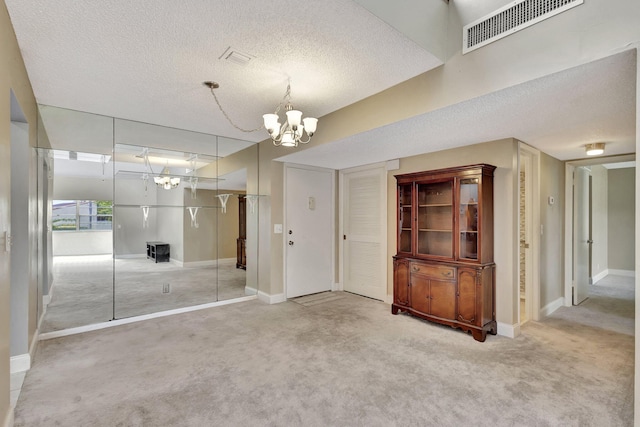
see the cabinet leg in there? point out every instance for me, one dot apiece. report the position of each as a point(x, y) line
point(479, 335)
point(394, 309)
point(494, 328)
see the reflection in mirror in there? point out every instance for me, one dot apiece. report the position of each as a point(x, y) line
point(165, 219)
point(138, 225)
point(79, 216)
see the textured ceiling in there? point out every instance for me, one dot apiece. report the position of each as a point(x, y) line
point(145, 60)
point(557, 114)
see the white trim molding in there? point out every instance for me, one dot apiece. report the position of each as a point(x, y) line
point(337, 286)
point(126, 321)
point(8, 422)
point(20, 363)
point(551, 307)
point(271, 299)
point(509, 331)
point(625, 273)
point(595, 279)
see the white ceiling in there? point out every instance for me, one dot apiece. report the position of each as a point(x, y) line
point(557, 114)
point(146, 60)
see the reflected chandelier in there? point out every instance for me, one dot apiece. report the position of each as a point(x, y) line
point(165, 180)
point(288, 135)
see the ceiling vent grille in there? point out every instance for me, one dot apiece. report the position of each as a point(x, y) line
point(511, 18)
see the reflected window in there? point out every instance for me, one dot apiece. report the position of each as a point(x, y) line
point(81, 215)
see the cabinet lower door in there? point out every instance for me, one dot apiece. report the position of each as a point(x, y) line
point(467, 298)
point(443, 299)
point(420, 300)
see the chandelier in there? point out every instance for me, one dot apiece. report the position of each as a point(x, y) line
point(165, 180)
point(290, 134)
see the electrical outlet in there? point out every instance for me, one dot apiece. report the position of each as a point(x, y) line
point(166, 288)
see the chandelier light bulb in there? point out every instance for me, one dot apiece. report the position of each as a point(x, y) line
point(292, 132)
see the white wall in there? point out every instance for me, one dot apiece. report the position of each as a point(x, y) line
point(551, 249)
point(85, 188)
point(20, 259)
point(621, 191)
point(82, 243)
point(130, 235)
point(599, 222)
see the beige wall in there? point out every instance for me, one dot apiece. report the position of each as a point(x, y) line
point(599, 220)
point(552, 220)
point(503, 155)
point(13, 76)
point(621, 218)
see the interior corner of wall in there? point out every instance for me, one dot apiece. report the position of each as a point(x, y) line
point(507, 330)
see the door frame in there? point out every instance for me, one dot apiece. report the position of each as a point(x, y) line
point(568, 215)
point(383, 224)
point(534, 175)
point(332, 208)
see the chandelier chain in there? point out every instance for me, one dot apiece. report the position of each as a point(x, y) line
point(229, 119)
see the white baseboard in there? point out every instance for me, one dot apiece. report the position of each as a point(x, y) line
point(248, 290)
point(20, 363)
point(205, 263)
point(271, 299)
point(131, 256)
point(104, 325)
point(551, 307)
point(337, 287)
point(595, 279)
point(509, 331)
point(625, 273)
point(8, 422)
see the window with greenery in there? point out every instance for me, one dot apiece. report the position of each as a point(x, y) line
point(75, 215)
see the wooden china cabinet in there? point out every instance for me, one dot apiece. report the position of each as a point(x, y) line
point(444, 270)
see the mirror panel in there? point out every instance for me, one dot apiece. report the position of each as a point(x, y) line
point(75, 193)
point(125, 175)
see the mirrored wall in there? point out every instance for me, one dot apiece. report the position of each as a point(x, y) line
point(143, 218)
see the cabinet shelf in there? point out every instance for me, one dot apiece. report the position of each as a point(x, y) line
point(435, 230)
point(429, 205)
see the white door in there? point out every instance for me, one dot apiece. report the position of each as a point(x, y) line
point(580, 235)
point(309, 232)
point(364, 227)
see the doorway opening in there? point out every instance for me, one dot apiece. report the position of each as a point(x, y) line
point(600, 229)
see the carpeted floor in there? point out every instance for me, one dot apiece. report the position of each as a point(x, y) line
point(84, 288)
point(344, 361)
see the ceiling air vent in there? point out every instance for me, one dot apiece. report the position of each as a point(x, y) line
point(511, 18)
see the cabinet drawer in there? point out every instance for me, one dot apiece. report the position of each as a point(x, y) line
point(433, 271)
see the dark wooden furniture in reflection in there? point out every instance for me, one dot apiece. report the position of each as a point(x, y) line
point(241, 250)
point(444, 270)
point(158, 251)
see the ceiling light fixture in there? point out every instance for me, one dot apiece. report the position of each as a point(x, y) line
point(594, 149)
point(291, 134)
point(288, 135)
point(165, 180)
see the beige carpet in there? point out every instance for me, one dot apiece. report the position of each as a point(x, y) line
point(84, 291)
point(345, 362)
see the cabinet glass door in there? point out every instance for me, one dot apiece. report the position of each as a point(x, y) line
point(435, 219)
point(404, 218)
point(469, 218)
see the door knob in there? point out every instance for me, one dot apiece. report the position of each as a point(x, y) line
point(290, 243)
